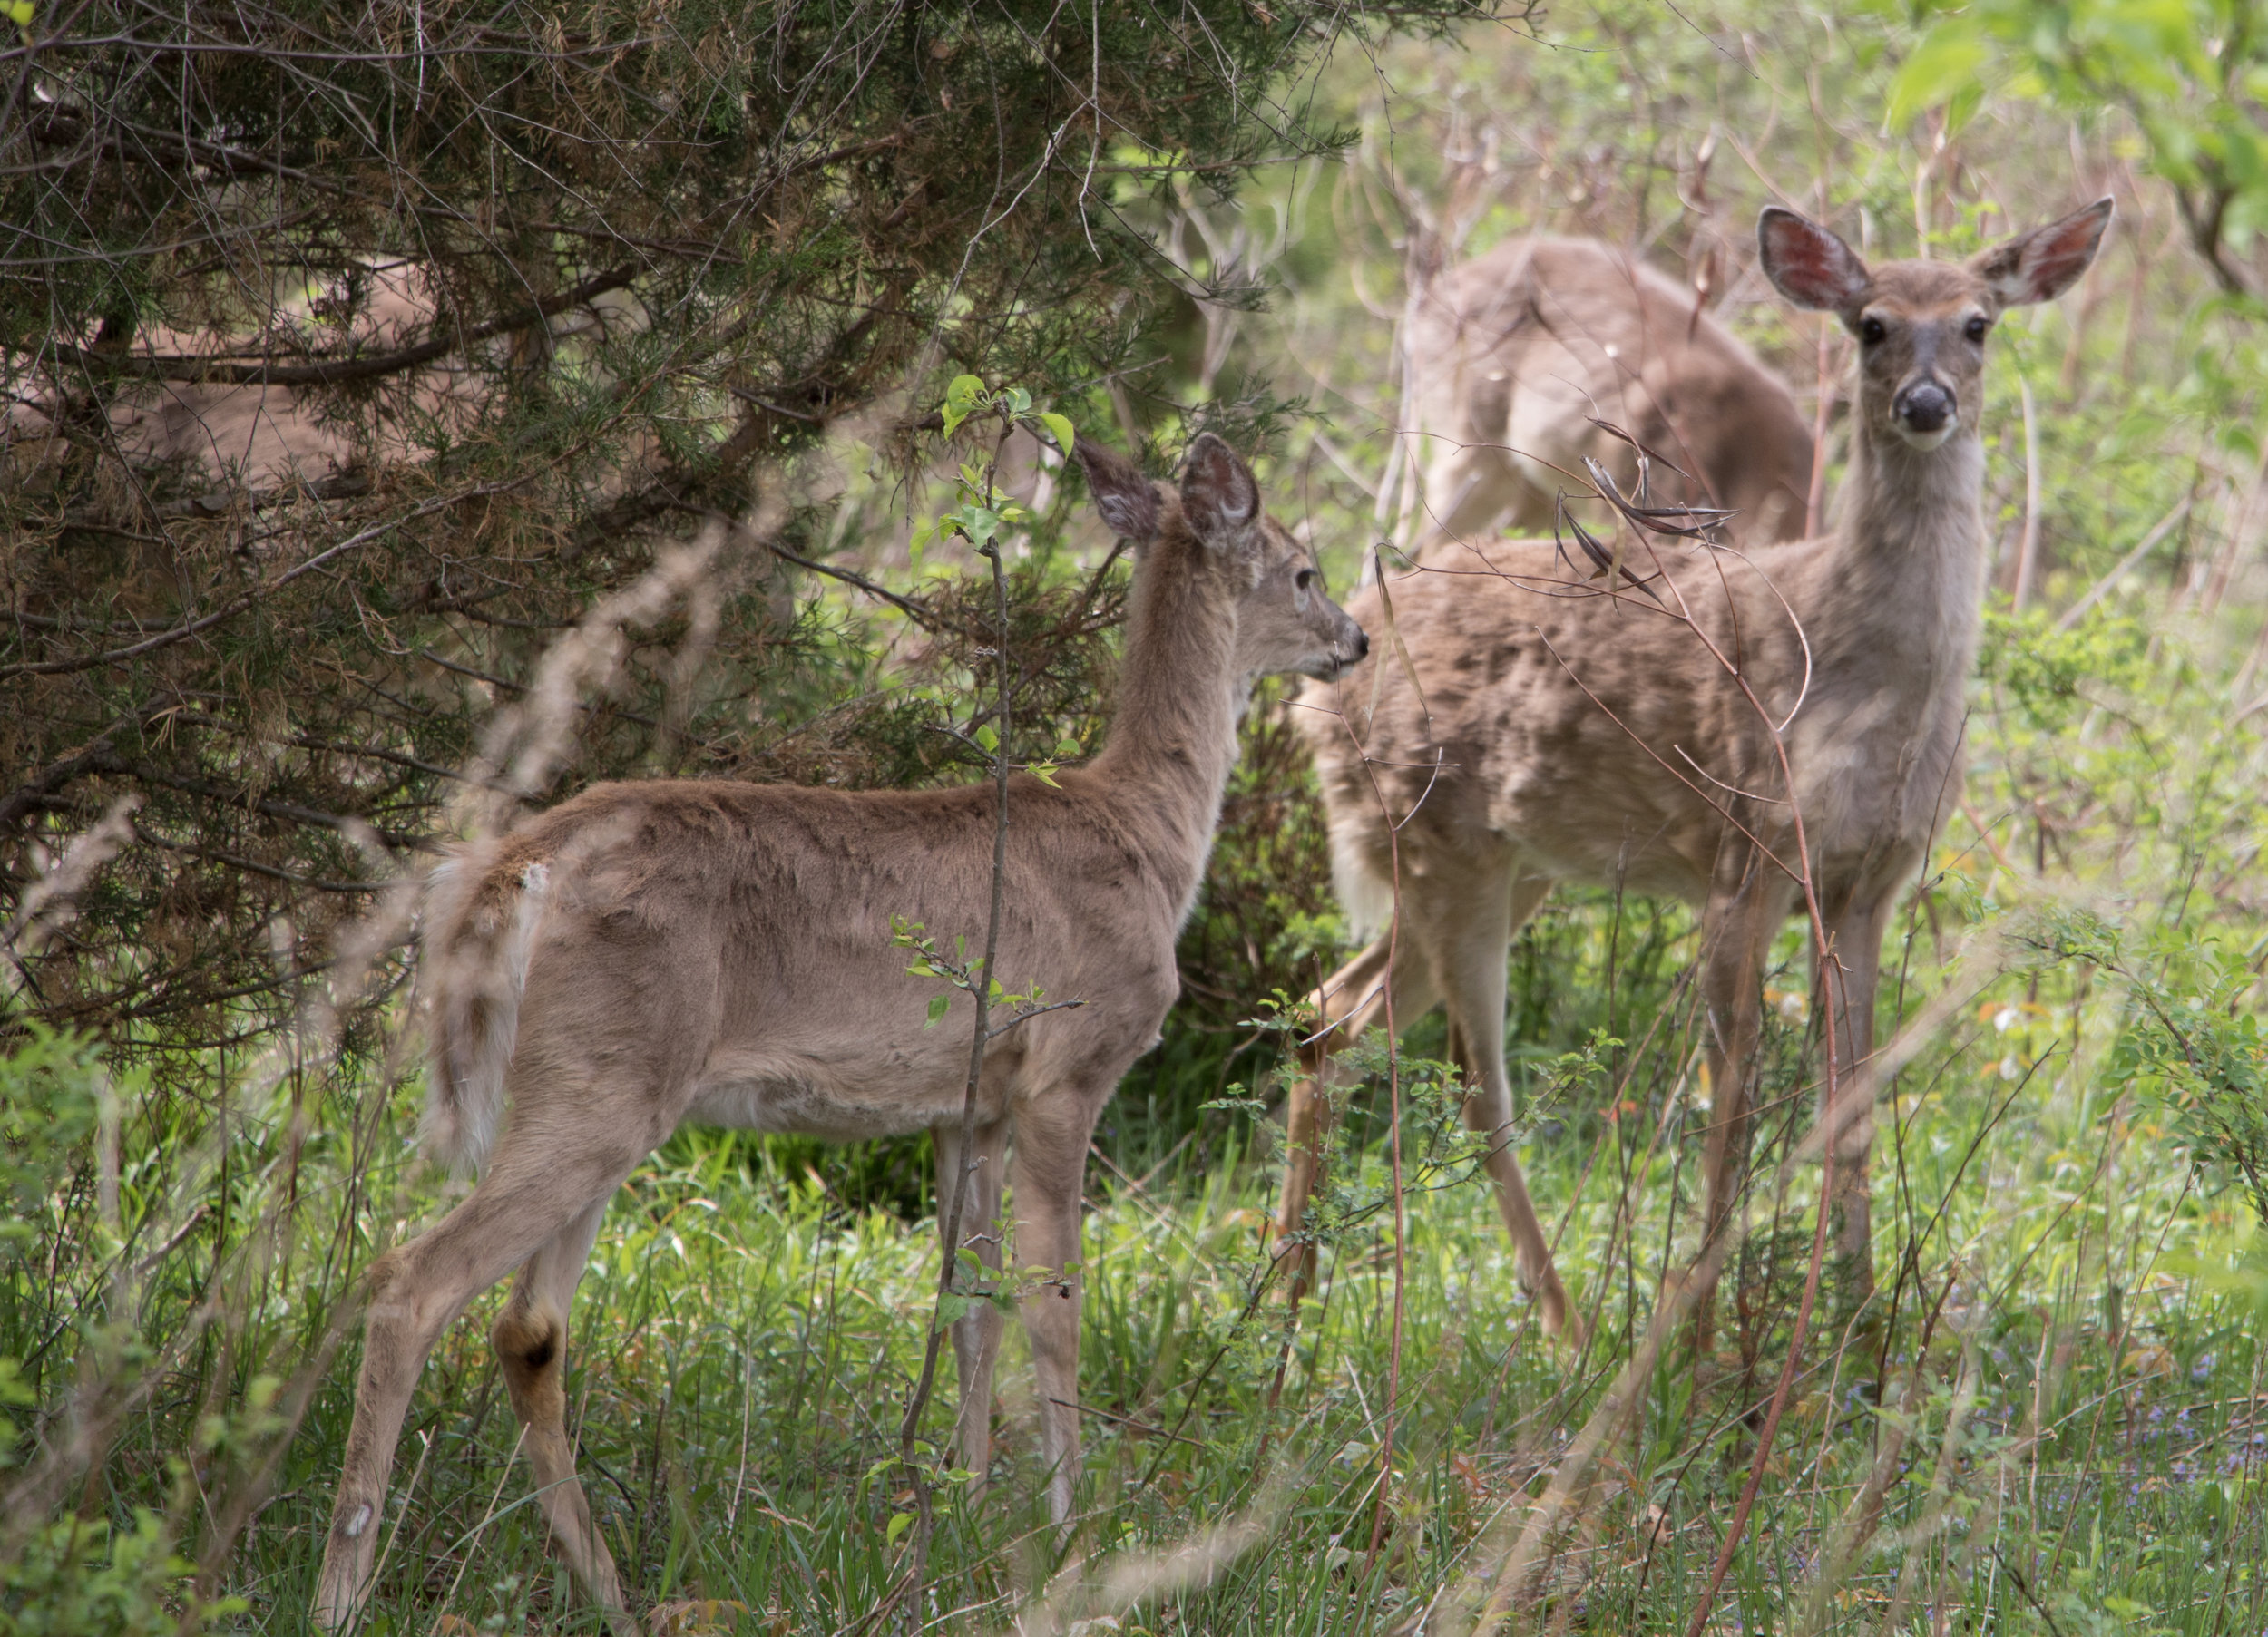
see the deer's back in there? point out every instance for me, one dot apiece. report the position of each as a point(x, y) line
point(1524, 343)
point(1551, 716)
point(749, 928)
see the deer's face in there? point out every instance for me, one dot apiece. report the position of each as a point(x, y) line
point(1286, 623)
point(1921, 333)
point(1921, 326)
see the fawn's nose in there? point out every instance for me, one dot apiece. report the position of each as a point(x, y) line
point(1360, 647)
point(1925, 405)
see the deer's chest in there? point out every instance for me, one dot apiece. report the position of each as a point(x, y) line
point(1875, 770)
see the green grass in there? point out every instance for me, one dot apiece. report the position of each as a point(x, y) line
point(2080, 1446)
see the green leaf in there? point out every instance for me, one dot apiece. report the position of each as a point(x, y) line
point(1060, 428)
point(1237, 1105)
point(1943, 66)
point(987, 736)
point(937, 1005)
point(899, 1523)
point(954, 1307)
point(979, 523)
point(1044, 771)
point(962, 399)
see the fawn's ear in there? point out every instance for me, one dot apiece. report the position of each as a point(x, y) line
point(1809, 265)
point(1218, 495)
point(2042, 264)
point(1122, 494)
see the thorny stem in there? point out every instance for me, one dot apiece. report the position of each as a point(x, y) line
point(1394, 1093)
point(1829, 987)
point(950, 1200)
point(1401, 1222)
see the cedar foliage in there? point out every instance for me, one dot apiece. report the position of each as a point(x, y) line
point(555, 282)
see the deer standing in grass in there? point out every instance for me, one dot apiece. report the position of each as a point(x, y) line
point(650, 954)
point(1511, 353)
point(1583, 730)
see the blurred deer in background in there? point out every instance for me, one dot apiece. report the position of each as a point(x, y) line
point(650, 954)
point(1634, 737)
point(1509, 354)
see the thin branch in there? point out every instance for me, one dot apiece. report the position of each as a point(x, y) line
point(207, 370)
point(246, 599)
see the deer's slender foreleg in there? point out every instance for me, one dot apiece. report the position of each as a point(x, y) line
point(1737, 925)
point(1465, 927)
point(1048, 1172)
point(1845, 979)
point(976, 1333)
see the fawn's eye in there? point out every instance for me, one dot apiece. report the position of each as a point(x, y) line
point(1306, 579)
point(1870, 330)
point(1975, 329)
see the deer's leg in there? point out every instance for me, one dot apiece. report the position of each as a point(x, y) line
point(528, 1198)
point(530, 1340)
point(1467, 925)
point(1845, 980)
point(1736, 927)
point(976, 1333)
point(1351, 1002)
point(1468, 488)
point(1049, 1170)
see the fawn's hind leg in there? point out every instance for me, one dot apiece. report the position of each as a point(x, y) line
point(530, 1340)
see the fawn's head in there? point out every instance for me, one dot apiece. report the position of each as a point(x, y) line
point(1921, 324)
point(1285, 623)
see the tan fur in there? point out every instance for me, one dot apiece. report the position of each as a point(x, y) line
point(1512, 350)
point(649, 954)
point(1575, 733)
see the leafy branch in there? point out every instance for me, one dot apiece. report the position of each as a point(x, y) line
point(980, 518)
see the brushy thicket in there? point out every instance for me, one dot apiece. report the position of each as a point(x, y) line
point(528, 292)
point(2051, 1424)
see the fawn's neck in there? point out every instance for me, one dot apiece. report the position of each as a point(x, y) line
point(1173, 734)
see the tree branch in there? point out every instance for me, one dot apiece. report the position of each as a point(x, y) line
point(371, 367)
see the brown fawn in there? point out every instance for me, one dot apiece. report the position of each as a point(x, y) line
point(1588, 730)
point(650, 954)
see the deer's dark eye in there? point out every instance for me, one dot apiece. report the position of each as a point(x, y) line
point(1304, 580)
point(1975, 329)
point(1870, 330)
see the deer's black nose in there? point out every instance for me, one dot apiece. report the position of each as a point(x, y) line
point(1925, 406)
point(1360, 646)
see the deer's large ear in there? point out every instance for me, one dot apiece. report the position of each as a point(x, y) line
point(1809, 265)
point(1218, 495)
point(1122, 494)
point(2042, 264)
